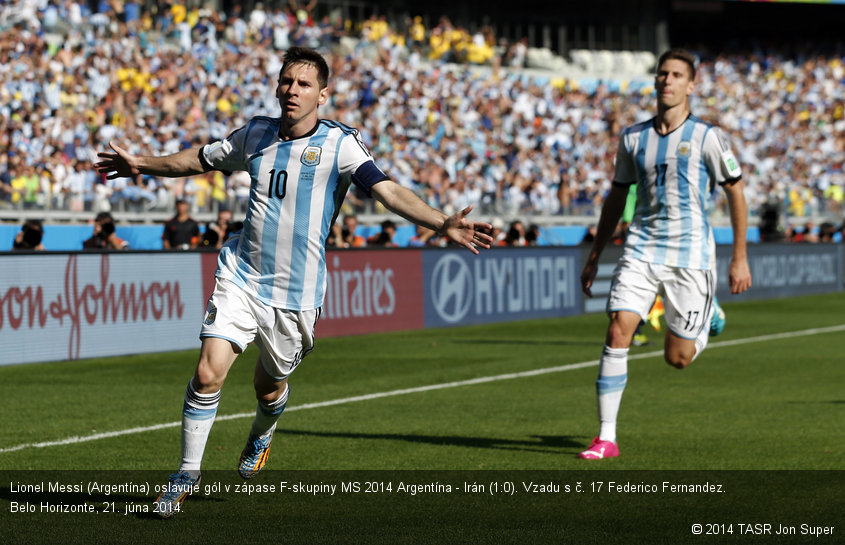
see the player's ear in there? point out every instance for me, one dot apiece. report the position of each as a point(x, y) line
point(324, 95)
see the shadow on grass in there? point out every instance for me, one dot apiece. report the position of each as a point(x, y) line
point(538, 443)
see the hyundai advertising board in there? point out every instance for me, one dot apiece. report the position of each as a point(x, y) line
point(500, 285)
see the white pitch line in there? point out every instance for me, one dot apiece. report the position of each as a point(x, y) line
point(418, 389)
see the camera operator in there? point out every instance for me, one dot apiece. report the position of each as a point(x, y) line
point(348, 238)
point(104, 237)
point(29, 237)
point(216, 232)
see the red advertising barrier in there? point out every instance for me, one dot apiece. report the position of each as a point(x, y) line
point(208, 266)
point(371, 291)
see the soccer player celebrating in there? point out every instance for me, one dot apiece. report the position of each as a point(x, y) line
point(675, 158)
point(271, 279)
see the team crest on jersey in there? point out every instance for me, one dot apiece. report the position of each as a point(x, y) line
point(684, 149)
point(311, 156)
point(210, 314)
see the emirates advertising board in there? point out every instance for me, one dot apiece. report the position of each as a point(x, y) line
point(370, 291)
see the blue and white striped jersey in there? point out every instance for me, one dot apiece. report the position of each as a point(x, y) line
point(675, 174)
point(296, 192)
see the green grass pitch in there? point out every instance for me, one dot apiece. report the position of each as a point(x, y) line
point(783, 395)
point(766, 395)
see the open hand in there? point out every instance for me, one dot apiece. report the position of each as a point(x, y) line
point(120, 164)
point(469, 234)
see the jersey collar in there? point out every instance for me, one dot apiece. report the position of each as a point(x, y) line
point(309, 134)
point(654, 125)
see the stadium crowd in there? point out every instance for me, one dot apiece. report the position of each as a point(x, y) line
point(446, 112)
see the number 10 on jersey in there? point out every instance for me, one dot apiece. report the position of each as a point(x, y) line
point(278, 184)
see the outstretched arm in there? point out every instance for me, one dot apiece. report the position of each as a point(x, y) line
point(122, 164)
point(739, 274)
point(611, 211)
point(402, 201)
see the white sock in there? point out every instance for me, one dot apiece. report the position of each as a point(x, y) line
point(703, 337)
point(266, 416)
point(198, 414)
point(613, 375)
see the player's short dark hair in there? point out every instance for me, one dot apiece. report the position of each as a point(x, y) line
point(304, 55)
point(681, 55)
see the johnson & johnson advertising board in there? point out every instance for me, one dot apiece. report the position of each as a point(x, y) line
point(71, 306)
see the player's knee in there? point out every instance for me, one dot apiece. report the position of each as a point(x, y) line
point(677, 360)
point(268, 398)
point(207, 379)
point(267, 389)
point(617, 337)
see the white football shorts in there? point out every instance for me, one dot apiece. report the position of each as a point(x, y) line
point(284, 337)
point(687, 294)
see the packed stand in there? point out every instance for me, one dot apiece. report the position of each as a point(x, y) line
point(479, 132)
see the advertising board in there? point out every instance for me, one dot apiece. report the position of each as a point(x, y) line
point(500, 285)
point(72, 306)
